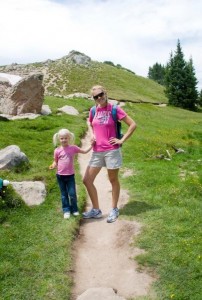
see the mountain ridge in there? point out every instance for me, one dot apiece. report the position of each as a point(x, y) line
point(77, 72)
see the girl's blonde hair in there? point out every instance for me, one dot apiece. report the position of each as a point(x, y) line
point(63, 132)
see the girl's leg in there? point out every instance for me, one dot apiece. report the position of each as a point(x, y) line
point(88, 180)
point(114, 180)
point(71, 187)
point(64, 194)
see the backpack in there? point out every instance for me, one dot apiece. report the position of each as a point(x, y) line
point(119, 134)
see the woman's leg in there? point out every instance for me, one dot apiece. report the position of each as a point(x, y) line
point(114, 180)
point(88, 180)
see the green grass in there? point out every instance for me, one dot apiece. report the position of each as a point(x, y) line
point(35, 249)
point(165, 196)
point(119, 83)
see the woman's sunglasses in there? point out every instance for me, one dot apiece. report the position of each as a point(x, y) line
point(99, 95)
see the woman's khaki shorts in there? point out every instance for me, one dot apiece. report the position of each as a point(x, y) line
point(111, 159)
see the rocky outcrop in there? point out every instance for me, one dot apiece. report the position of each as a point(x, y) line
point(26, 96)
point(77, 58)
point(11, 156)
point(78, 95)
point(56, 73)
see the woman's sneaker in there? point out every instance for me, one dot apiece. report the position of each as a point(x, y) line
point(67, 215)
point(113, 215)
point(93, 213)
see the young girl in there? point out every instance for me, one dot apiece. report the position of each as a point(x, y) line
point(64, 163)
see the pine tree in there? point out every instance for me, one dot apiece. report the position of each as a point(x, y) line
point(180, 81)
point(157, 73)
point(191, 99)
point(200, 99)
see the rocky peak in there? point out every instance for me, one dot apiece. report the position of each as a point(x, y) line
point(77, 58)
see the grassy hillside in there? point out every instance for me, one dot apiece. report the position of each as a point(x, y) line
point(165, 196)
point(120, 84)
point(64, 76)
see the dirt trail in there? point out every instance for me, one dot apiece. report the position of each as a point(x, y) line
point(103, 255)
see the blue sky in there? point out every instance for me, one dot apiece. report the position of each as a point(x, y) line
point(133, 33)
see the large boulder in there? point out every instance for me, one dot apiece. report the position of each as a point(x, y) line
point(32, 192)
point(26, 96)
point(11, 156)
point(5, 85)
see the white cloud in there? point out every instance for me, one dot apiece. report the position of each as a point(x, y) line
point(133, 33)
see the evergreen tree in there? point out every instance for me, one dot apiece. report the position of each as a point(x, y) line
point(157, 73)
point(191, 99)
point(180, 81)
point(200, 99)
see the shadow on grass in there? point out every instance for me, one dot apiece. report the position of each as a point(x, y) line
point(136, 208)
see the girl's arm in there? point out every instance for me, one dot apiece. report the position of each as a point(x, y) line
point(55, 160)
point(83, 151)
point(53, 165)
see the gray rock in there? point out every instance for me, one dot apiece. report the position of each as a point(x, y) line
point(77, 58)
point(70, 110)
point(19, 117)
point(11, 156)
point(26, 96)
point(46, 110)
point(32, 192)
point(77, 95)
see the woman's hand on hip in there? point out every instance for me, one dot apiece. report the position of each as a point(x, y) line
point(115, 141)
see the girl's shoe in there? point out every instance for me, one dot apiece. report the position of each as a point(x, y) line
point(67, 215)
point(76, 213)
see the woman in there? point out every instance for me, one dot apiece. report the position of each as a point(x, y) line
point(106, 151)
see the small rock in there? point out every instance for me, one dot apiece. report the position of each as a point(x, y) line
point(101, 293)
point(69, 110)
